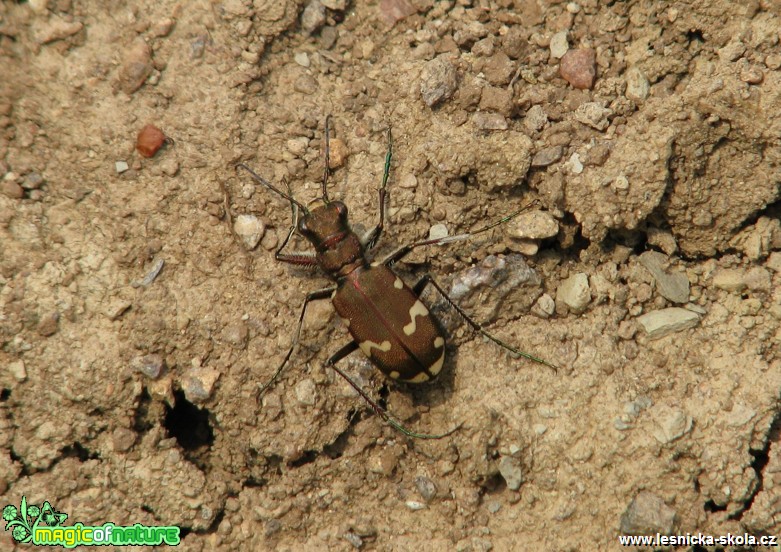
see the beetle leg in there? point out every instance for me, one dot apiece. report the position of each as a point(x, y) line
point(373, 236)
point(302, 258)
point(427, 279)
point(324, 293)
point(381, 412)
point(404, 250)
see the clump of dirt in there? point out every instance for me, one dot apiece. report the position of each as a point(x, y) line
point(138, 327)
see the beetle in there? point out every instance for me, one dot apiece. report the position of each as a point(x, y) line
point(385, 317)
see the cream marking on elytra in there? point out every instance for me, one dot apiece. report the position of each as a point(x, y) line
point(346, 322)
point(398, 284)
point(438, 342)
point(420, 378)
point(394, 374)
point(418, 309)
point(366, 347)
point(437, 366)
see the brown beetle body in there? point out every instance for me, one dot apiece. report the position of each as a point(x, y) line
point(384, 316)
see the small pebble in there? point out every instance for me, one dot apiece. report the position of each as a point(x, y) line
point(663, 239)
point(752, 75)
point(408, 181)
point(559, 45)
point(198, 383)
point(426, 488)
point(169, 166)
point(48, 324)
point(575, 292)
point(484, 47)
point(313, 16)
point(249, 229)
point(535, 225)
point(236, 334)
point(438, 81)
point(17, 370)
point(149, 365)
point(544, 307)
point(573, 164)
point(511, 471)
point(150, 276)
point(12, 189)
point(578, 67)
point(732, 51)
point(637, 86)
point(162, 27)
point(121, 166)
point(415, 505)
point(647, 515)
point(336, 5)
point(56, 29)
point(536, 119)
point(298, 146)
point(32, 181)
point(150, 140)
point(671, 424)
point(354, 540)
point(526, 247)
point(489, 121)
point(729, 279)
point(116, 308)
point(301, 58)
point(136, 67)
point(539, 429)
point(306, 84)
point(39, 6)
point(660, 323)
point(123, 439)
point(306, 392)
point(393, 11)
point(437, 231)
point(758, 279)
point(496, 99)
point(547, 156)
point(671, 286)
point(593, 114)
point(328, 37)
point(499, 69)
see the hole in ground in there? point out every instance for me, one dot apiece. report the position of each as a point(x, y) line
point(188, 424)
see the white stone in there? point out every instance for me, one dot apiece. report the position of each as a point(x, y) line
point(575, 292)
point(249, 229)
point(660, 323)
point(559, 45)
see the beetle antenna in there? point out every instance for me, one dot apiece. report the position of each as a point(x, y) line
point(327, 168)
point(271, 187)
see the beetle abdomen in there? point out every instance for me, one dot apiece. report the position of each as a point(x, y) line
point(390, 324)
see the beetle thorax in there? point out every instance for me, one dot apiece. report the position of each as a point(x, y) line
point(339, 250)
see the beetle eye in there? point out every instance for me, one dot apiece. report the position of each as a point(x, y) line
point(302, 226)
point(341, 208)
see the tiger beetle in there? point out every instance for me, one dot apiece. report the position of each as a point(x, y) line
point(384, 316)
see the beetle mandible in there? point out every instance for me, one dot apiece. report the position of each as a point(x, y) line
point(385, 317)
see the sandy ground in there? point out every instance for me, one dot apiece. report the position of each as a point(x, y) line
point(652, 282)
